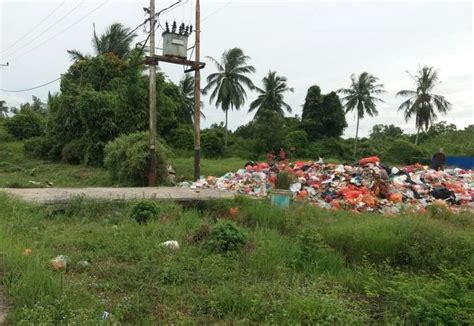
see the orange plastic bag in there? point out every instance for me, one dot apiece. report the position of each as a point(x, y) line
point(369, 200)
point(303, 194)
point(370, 159)
point(396, 198)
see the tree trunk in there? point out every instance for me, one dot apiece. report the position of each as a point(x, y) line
point(357, 135)
point(225, 135)
point(417, 134)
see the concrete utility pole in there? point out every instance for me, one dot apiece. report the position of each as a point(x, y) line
point(152, 100)
point(197, 97)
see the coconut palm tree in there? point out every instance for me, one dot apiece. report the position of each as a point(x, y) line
point(227, 84)
point(186, 89)
point(117, 39)
point(360, 96)
point(421, 102)
point(3, 109)
point(271, 96)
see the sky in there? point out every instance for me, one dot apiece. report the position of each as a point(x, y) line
point(309, 42)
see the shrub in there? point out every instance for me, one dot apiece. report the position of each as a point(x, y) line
point(182, 138)
point(73, 152)
point(330, 148)
point(38, 147)
point(212, 145)
point(26, 124)
point(298, 140)
point(4, 135)
point(226, 236)
point(127, 159)
point(401, 151)
point(144, 211)
point(283, 181)
point(94, 154)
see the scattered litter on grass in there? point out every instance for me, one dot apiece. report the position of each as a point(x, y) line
point(27, 252)
point(83, 264)
point(366, 185)
point(170, 244)
point(105, 315)
point(59, 262)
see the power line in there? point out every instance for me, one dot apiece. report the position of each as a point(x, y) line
point(217, 10)
point(64, 30)
point(35, 27)
point(29, 89)
point(47, 29)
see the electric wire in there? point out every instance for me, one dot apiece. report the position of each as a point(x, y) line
point(29, 89)
point(34, 28)
point(217, 10)
point(65, 29)
point(47, 29)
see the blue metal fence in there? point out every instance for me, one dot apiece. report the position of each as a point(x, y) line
point(463, 162)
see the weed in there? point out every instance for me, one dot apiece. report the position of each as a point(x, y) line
point(226, 236)
point(144, 211)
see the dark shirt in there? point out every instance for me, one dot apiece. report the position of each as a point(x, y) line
point(439, 158)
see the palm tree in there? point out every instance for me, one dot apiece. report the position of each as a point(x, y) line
point(228, 82)
point(3, 109)
point(186, 89)
point(360, 96)
point(422, 103)
point(271, 97)
point(117, 39)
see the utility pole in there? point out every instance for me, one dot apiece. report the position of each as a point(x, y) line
point(152, 100)
point(197, 97)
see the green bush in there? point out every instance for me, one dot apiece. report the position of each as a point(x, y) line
point(4, 135)
point(127, 159)
point(94, 154)
point(212, 144)
point(73, 152)
point(330, 148)
point(144, 211)
point(226, 236)
point(26, 124)
point(38, 147)
point(401, 151)
point(182, 138)
point(298, 140)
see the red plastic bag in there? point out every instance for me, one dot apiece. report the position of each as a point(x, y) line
point(370, 159)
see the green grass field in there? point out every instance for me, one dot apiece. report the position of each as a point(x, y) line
point(20, 171)
point(297, 266)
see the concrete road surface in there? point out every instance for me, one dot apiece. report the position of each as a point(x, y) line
point(54, 195)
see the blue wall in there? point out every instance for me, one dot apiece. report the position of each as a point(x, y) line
point(463, 162)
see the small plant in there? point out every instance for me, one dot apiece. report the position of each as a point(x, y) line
point(226, 236)
point(283, 181)
point(144, 211)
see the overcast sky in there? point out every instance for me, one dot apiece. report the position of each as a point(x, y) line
point(309, 42)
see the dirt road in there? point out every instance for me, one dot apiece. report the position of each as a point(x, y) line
point(54, 195)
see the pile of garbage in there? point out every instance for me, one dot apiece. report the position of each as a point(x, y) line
point(364, 186)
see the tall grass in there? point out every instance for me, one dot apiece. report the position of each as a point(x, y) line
point(299, 266)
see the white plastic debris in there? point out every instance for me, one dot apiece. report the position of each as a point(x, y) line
point(59, 262)
point(170, 244)
point(105, 315)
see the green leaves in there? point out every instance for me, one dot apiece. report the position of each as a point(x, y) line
point(271, 96)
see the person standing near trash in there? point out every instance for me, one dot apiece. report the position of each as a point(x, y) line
point(438, 160)
point(271, 158)
point(282, 155)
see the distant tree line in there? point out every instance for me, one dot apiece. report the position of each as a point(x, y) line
point(105, 95)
